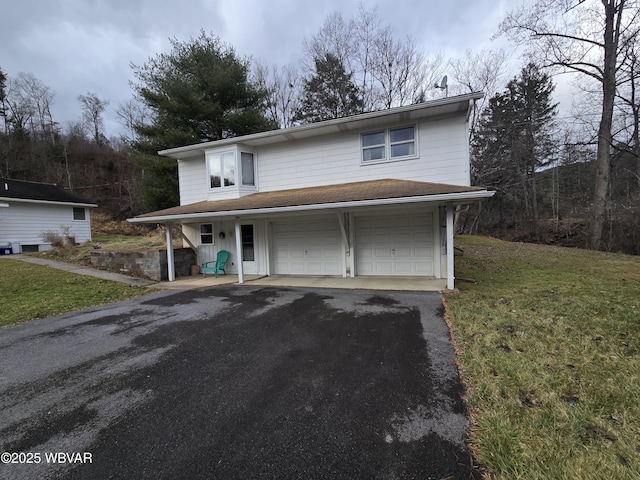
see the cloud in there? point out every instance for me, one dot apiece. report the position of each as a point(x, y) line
point(80, 46)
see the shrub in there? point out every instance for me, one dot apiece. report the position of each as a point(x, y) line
point(54, 238)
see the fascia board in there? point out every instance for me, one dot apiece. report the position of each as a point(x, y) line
point(47, 202)
point(463, 197)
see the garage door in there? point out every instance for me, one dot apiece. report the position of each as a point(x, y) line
point(307, 248)
point(394, 245)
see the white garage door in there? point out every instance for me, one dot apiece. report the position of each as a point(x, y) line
point(307, 248)
point(394, 245)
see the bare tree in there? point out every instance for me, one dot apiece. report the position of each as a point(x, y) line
point(589, 37)
point(388, 71)
point(92, 115)
point(284, 87)
point(40, 97)
point(336, 38)
point(628, 105)
point(132, 114)
point(482, 71)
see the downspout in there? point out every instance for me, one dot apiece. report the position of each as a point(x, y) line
point(450, 252)
point(239, 251)
point(171, 269)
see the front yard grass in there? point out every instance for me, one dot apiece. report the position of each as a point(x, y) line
point(548, 345)
point(30, 291)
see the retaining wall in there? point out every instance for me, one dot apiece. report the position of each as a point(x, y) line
point(150, 264)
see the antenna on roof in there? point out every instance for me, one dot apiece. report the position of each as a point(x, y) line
point(443, 86)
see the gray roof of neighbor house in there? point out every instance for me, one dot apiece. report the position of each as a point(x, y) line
point(21, 190)
point(372, 192)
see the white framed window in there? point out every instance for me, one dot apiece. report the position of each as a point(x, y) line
point(206, 234)
point(389, 144)
point(222, 169)
point(247, 167)
point(79, 213)
point(231, 169)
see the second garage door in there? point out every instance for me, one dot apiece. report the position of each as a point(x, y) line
point(394, 245)
point(306, 248)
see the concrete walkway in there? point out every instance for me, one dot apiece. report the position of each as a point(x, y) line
point(419, 284)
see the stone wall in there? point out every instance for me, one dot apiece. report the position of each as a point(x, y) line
point(150, 264)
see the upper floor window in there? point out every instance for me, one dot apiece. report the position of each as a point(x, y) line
point(222, 169)
point(79, 213)
point(230, 169)
point(389, 144)
point(248, 172)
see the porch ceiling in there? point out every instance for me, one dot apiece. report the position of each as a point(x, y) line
point(374, 192)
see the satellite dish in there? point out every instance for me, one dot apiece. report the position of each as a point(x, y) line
point(443, 85)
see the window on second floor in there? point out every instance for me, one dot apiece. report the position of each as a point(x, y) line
point(389, 144)
point(248, 172)
point(231, 169)
point(222, 169)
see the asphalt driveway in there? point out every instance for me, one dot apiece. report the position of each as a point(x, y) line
point(235, 382)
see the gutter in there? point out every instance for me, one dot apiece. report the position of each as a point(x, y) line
point(47, 202)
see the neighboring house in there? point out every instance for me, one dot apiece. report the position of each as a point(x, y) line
point(371, 194)
point(27, 209)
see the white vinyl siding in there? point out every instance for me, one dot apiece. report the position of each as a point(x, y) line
point(25, 222)
point(193, 180)
point(395, 245)
point(442, 157)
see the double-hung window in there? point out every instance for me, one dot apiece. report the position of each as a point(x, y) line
point(389, 144)
point(206, 234)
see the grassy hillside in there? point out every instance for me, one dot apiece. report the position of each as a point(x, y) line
point(548, 342)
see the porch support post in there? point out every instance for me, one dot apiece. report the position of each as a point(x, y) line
point(239, 251)
point(171, 269)
point(450, 252)
point(346, 248)
point(267, 237)
point(352, 239)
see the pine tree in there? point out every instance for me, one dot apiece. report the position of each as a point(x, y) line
point(329, 93)
point(514, 141)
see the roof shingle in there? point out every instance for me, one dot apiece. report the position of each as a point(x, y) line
point(46, 192)
point(346, 192)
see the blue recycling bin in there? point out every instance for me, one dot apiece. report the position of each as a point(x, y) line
point(6, 249)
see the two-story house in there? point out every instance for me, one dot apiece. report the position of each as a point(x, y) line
point(370, 194)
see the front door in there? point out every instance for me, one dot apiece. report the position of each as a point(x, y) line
point(248, 249)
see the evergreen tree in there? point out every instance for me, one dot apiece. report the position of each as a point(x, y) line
point(198, 92)
point(514, 141)
point(329, 93)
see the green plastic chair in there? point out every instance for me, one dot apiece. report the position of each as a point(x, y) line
point(216, 265)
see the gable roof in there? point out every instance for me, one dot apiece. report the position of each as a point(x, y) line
point(373, 192)
point(21, 190)
point(456, 105)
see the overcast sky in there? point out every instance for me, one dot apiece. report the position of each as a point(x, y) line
point(80, 46)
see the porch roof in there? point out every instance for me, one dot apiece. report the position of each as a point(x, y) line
point(346, 195)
